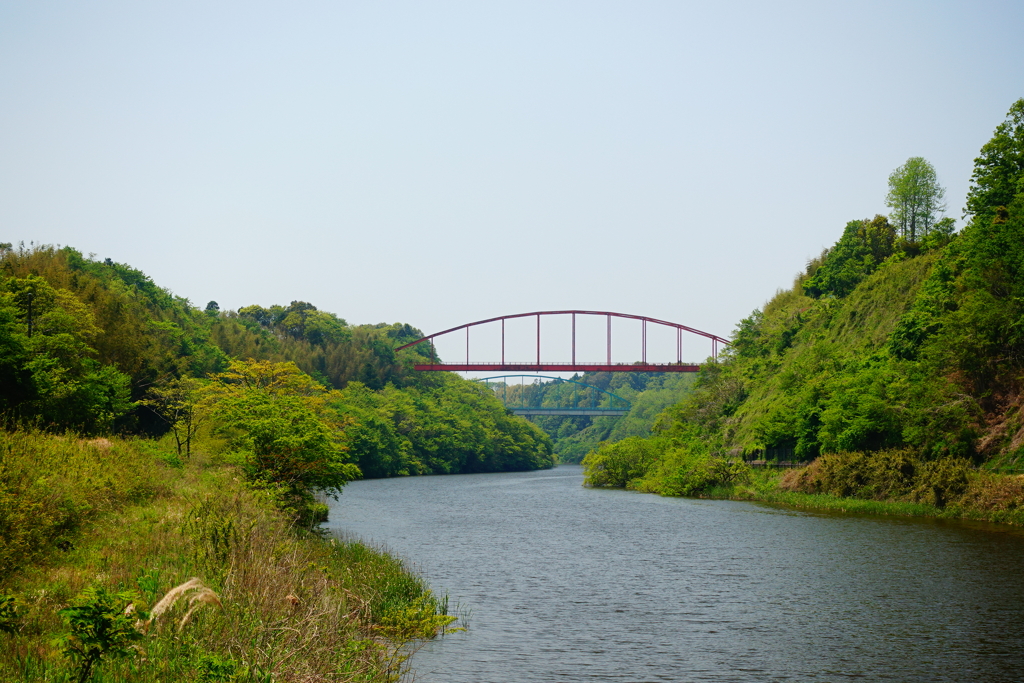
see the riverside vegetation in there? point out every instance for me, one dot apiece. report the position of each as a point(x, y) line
point(123, 562)
point(894, 367)
point(162, 471)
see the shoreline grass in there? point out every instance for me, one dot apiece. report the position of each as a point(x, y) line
point(278, 604)
point(990, 497)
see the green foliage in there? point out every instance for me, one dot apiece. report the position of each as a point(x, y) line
point(998, 176)
point(178, 402)
point(322, 345)
point(417, 619)
point(623, 463)
point(47, 358)
point(455, 427)
point(885, 475)
point(102, 625)
point(689, 472)
point(670, 467)
point(279, 429)
point(213, 668)
point(915, 198)
point(862, 411)
point(299, 320)
point(10, 614)
point(862, 248)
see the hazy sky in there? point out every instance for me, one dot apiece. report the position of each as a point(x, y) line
point(437, 163)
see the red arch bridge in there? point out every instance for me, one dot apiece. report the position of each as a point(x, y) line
point(574, 364)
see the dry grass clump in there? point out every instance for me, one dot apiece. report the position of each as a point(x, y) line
point(887, 475)
point(995, 493)
point(200, 595)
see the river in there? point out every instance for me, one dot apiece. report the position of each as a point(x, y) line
point(565, 583)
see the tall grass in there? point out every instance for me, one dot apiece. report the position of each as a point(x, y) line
point(289, 606)
point(50, 486)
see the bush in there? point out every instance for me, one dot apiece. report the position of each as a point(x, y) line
point(102, 625)
point(941, 481)
point(882, 475)
point(622, 463)
point(686, 472)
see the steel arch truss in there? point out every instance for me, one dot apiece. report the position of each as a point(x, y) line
point(539, 366)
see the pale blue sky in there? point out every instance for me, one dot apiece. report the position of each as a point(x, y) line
point(436, 163)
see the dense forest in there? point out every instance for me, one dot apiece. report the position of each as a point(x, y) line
point(646, 394)
point(97, 348)
point(895, 362)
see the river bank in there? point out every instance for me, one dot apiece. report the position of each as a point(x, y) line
point(988, 497)
point(893, 482)
point(106, 531)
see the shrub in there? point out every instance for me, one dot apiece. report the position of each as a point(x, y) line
point(882, 475)
point(102, 625)
point(619, 464)
point(10, 614)
point(685, 472)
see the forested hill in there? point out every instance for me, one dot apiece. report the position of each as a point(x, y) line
point(575, 436)
point(96, 347)
point(893, 338)
point(904, 337)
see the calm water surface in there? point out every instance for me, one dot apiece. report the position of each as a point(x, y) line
point(572, 584)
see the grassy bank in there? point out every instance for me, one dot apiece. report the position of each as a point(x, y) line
point(988, 497)
point(121, 562)
point(886, 482)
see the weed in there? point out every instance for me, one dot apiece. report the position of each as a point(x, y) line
point(10, 614)
point(102, 625)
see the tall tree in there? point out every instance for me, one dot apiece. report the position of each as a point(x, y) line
point(915, 198)
point(999, 171)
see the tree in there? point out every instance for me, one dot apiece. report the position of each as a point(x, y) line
point(282, 433)
point(915, 198)
point(47, 361)
point(618, 464)
point(862, 248)
point(178, 404)
point(999, 171)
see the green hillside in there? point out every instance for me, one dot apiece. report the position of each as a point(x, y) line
point(894, 341)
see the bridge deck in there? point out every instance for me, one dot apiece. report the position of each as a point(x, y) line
point(562, 367)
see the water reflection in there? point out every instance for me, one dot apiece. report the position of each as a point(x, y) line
point(573, 584)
